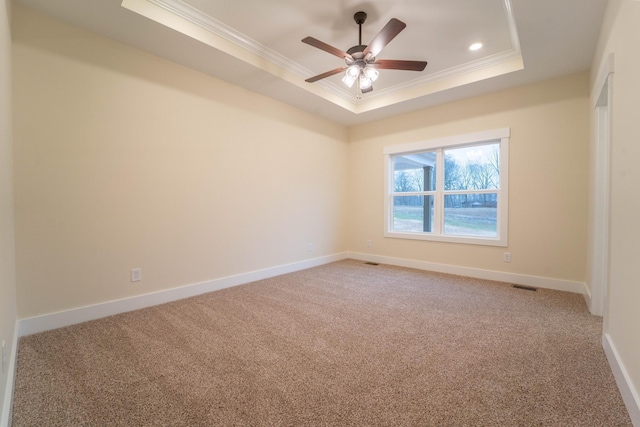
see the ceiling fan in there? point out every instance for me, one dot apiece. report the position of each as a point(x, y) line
point(360, 60)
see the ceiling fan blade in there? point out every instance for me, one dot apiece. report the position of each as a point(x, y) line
point(327, 48)
point(324, 75)
point(399, 64)
point(392, 29)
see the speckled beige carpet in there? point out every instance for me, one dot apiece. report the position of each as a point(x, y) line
point(342, 344)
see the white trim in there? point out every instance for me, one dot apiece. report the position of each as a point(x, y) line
point(498, 276)
point(73, 316)
point(630, 395)
point(511, 23)
point(188, 26)
point(438, 229)
point(454, 73)
point(600, 203)
point(447, 238)
point(588, 298)
point(448, 141)
point(7, 405)
point(606, 69)
point(209, 23)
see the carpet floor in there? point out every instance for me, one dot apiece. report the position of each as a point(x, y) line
point(343, 344)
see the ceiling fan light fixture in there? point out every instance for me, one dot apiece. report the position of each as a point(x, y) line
point(371, 73)
point(353, 71)
point(365, 82)
point(351, 75)
point(348, 79)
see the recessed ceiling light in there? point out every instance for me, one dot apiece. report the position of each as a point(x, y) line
point(475, 46)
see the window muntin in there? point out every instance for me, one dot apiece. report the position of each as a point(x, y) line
point(462, 182)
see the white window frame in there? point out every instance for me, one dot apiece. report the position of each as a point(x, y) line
point(501, 136)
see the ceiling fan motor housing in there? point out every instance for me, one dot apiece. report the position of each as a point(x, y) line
point(355, 50)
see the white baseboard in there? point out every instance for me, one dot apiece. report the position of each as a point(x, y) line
point(498, 276)
point(82, 314)
point(7, 405)
point(630, 395)
point(587, 298)
point(73, 316)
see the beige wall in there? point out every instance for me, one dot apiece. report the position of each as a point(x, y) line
point(620, 36)
point(126, 160)
point(548, 176)
point(7, 253)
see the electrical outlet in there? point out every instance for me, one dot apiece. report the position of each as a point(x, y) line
point(136, 274)
point(309, 247)
point(506, 257)
point(368, 243)
point(4, 357)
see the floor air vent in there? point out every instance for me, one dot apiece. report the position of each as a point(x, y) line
point(523, 287)
point(371, 263)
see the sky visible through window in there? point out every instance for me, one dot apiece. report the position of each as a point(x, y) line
point(474, 154)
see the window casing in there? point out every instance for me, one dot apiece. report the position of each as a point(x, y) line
point(451, 189)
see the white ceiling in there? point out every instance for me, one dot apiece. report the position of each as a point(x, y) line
point(257, 44)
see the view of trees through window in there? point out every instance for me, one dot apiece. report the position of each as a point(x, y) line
point(468, 193)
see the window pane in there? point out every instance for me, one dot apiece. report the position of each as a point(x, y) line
point(409, 213)
point(471, 214)
point(412, 171)
point(474, 167)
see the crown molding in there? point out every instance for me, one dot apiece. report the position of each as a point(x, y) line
point(453, 73)
point(209, 23)
point(255, 53)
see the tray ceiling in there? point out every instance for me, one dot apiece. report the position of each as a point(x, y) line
point(257, 44)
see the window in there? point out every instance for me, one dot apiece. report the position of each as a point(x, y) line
point(451, 189)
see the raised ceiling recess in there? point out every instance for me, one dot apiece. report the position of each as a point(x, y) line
point(267, 34)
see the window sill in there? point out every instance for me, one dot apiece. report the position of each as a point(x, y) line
point(483, 241)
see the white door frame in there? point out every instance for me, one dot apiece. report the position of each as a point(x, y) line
point(600, 208)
